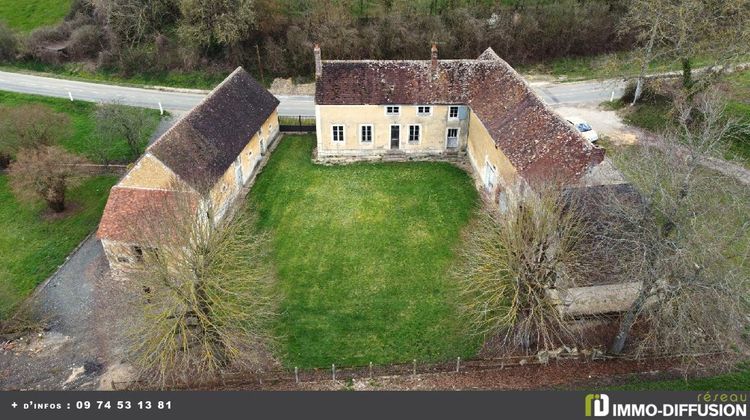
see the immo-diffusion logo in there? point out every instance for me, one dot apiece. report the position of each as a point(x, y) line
point(718, 405)
point(597, 405)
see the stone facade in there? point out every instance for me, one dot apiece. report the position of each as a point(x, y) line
point(210, 157)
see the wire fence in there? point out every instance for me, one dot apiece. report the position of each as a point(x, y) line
point(371, 371)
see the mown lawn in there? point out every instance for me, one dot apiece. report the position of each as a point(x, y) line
point(82, 121)
point(32, 245)
point(26, 15)
point(362, 253)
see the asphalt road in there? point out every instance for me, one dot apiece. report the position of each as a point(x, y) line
point(184, 100)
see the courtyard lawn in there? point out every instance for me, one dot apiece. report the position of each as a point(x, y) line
point(33, 245)
point(363, 253)
point(26, 15)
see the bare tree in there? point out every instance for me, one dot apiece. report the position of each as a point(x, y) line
point(30, 126)
point(209, 292)
point(685, 29)
point(691, 243)
point(511, 263)
point(208, 23)
point(45, 173)
point(116, 123)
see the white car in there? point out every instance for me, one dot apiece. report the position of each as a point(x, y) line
point(584, 128)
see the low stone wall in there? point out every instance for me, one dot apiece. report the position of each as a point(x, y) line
point(595, 300)
point(400, 156)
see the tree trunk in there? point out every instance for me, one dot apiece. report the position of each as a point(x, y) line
point(638, 90)
point(687, 73)
point(56, 197)
point(644, 65)
point(57, 205)
point(627, 321)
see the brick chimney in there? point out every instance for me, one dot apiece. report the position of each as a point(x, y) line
point(318, 64)
point(434, 57)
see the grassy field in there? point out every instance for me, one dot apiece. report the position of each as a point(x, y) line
point(26, 15)
point(738, 380)
point(362, 252)
point(177, 79)
point(606, 66)
point(32, 245)
point(654, 115)
point(82, 121)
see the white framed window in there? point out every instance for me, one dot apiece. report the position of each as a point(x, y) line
point(424, 111)
point(365, 133)
point(415, 133)
point(337, 133)
point(451, 138)
point(392, 110)
point(490, 175)
point(453, 113)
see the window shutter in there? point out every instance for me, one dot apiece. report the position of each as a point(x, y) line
point(463, 112)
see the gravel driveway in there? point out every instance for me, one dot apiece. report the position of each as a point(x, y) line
point(85, 319)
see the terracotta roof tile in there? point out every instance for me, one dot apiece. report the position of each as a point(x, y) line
point(131, 210)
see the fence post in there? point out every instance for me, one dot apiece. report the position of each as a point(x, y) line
point(296, 374)
point(370, 370)
point(414, 369)
point(458, 364)
point(333, 371)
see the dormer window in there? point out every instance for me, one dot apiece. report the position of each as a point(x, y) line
point(392, 110)
point(424, 111)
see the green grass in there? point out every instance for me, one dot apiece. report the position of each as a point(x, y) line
point(26, 15)
point(654, 115)
point(82, 122)
point(32, 247)
point(176, 79)
point(607, 66)
point(651, 116)
point(362, 253)
point(738, 380)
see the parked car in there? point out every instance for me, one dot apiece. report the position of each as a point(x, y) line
point(585, 129)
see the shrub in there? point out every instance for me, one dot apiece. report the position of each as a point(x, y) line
point(29, 126)
point(45, 173)
point(8, 43)
point(85, 42)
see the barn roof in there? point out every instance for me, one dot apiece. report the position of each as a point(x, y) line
point(202, 145)
point(537, 141)
point(131, 212)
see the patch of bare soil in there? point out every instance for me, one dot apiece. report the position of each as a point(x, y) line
point(71, 208)
point(561, 374)
point(288, 87)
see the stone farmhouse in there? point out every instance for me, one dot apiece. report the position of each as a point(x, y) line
point(210, 156)
point(447, 109)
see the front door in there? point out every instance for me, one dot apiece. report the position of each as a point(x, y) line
point(395, 136)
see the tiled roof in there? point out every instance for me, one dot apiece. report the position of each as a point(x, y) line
point(203, 144)
point(536, 140)
point(130, 211)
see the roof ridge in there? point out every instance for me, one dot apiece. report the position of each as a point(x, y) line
point(184, 116)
